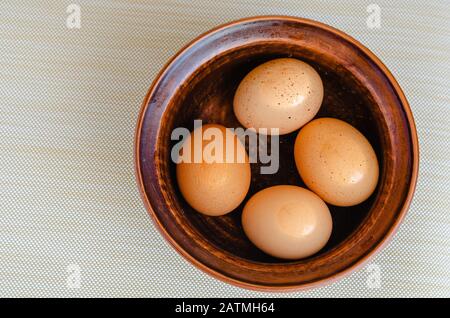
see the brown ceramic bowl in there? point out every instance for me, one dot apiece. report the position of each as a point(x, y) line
point(199, 83)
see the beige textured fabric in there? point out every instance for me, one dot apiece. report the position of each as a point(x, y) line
point(72, 222)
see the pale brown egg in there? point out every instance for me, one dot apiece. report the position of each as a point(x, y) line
point(336, 161)
point(214, 187)
point(283, 93)
point(287, 221)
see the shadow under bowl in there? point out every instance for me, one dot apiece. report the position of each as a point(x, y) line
point(199, 83)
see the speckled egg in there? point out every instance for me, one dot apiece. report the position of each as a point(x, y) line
point(213, 185)
point(336, 161)
point(283, 94)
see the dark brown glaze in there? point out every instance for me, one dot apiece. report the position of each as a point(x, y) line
point(199, 83)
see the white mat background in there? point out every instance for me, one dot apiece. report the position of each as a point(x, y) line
point(69, 100)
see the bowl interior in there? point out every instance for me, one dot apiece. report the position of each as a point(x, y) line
point(200, 84)
point(210, 98)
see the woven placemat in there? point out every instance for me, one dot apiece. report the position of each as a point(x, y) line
point(72, 222)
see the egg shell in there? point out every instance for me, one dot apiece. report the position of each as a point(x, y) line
point(336, 161)
point(283, 93)
point(214, 188)
point(287, 221)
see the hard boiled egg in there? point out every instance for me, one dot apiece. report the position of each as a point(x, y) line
point(336, 161)
point(287, 221)
point(283, 93)
point(214, 179)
